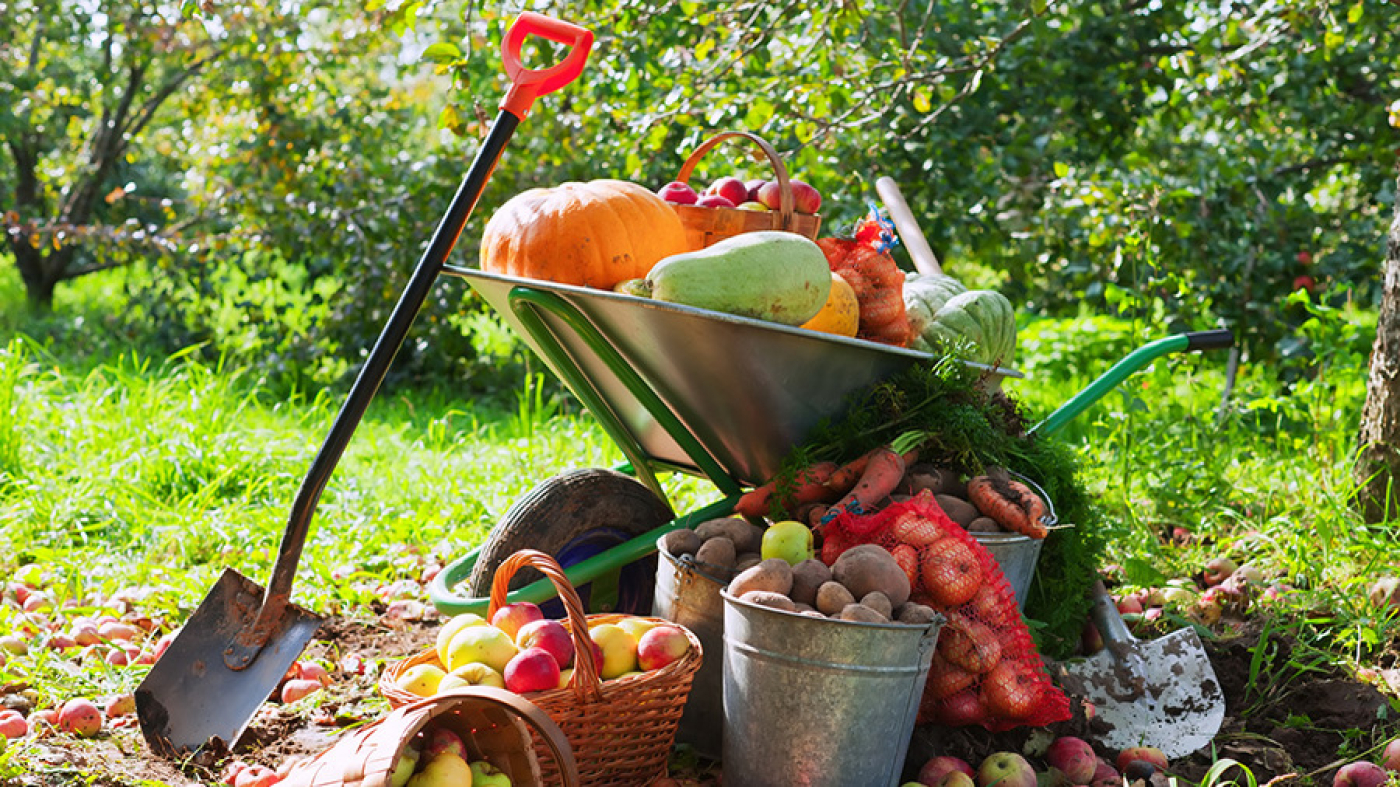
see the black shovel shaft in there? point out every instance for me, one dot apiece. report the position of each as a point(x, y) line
point(391, 338)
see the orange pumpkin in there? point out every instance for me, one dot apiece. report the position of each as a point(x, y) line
point(594, 234)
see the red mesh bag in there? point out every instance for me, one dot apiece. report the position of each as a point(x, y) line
point(986, 669)
point(879, 286)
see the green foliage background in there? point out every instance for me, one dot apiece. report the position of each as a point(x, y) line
point(1182, 162)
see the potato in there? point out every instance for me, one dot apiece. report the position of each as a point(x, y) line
point(869, 567)
point(807, 576)
point(718, 552)
point(767, 598)
point(747, 537)
point(747, 560)
point(862, 614)
point(832, 597)
point(681, 542)
point(916, 614)
point(984, 524)
point(936, 480)
point(958, 509)
point(879, 602)
point(774, 575)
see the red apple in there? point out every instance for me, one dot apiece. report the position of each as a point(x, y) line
point(80, 717)
point(510, 618)
point(550, 635)
point(117, 631)
point(61, 642)
point(1391, 757)
point(714, 201)
point(1074, 757)
point(661, 645)
point(731, 188)
point(1218, 570)
point(441, 739)
point(13, 725)
point(256, 776)
point(84, 632)
point(1090, 640)
point(1305, 257)
point(121, 705)
point(805, 197)
point(678, 193)
point(1359, 774)
point(163, 644)
point(532, 669)
point(753, 185)
point(1148, 754)
point(1105, 775)
point(311, 670)
point(937, 767)
point(297, 688)
point(1005, 769)
point(117, 657)
point(1304, 282)
point(47, 716)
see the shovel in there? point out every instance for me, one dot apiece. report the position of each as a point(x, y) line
point(234, 650)
point(1160, 693)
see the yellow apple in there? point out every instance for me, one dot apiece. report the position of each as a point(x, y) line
point(450, 628)
point(636, 627)
point(445, 770)
point(474, 674)
point(421, 679)
point(565, 675)
point(484, 644)
point(619, 649)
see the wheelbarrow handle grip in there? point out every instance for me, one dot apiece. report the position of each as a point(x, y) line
point(1218, 339)
point(529, 84)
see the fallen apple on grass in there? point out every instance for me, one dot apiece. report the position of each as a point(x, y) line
point(299, 688)
point(80, 717)
point(1149, 754)
point(1005, 769)
point(1074, 757)
point(12, 724)
point(256, 776)
point(937, 767)
point(1359, 774)
point(1390, 758)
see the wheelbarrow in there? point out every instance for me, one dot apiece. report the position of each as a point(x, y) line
point(688, 390)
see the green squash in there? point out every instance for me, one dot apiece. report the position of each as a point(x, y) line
point(924, 295)
point(978, 324)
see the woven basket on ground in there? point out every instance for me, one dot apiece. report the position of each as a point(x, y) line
point(706, 226)
point(495, 725)
point(621, 730)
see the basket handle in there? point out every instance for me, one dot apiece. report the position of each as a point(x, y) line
point(584, 682)
point(785, 198)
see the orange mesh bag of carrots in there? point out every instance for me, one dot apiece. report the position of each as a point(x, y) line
point(986, 669)
point(865, 264)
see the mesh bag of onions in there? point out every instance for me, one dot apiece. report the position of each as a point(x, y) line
point(986, 669)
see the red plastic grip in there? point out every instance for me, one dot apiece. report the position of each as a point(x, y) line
point(529, 84)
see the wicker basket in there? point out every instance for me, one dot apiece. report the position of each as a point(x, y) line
point(492, 724)
point(621, 730)
point(707, 226)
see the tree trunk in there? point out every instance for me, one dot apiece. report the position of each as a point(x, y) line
point(39, 283)
point(1377, 469)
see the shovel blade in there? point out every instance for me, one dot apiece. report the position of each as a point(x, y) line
point(191, 701)
point(1161, 693)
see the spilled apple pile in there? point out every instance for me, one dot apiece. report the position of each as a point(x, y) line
point(521, 650)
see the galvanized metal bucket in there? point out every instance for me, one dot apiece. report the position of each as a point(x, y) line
point(687, 596)
point(815, 702)
point(1017, 556)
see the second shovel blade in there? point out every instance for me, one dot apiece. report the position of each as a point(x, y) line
point(190, 699)
point(1161, 693)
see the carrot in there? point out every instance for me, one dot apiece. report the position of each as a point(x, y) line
point(848, 474)
point(816, 513)
point(758, 501)
point(1011, 503)
point(883, 471)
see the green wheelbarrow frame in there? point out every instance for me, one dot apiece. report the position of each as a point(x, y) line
point(529, 305)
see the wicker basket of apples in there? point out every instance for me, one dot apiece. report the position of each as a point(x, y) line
point(478, 735)
point(730, 206)
point(619, 709)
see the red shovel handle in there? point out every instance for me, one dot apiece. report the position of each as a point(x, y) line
point(529, 84)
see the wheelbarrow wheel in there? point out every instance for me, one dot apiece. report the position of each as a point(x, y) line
point(571, 517)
